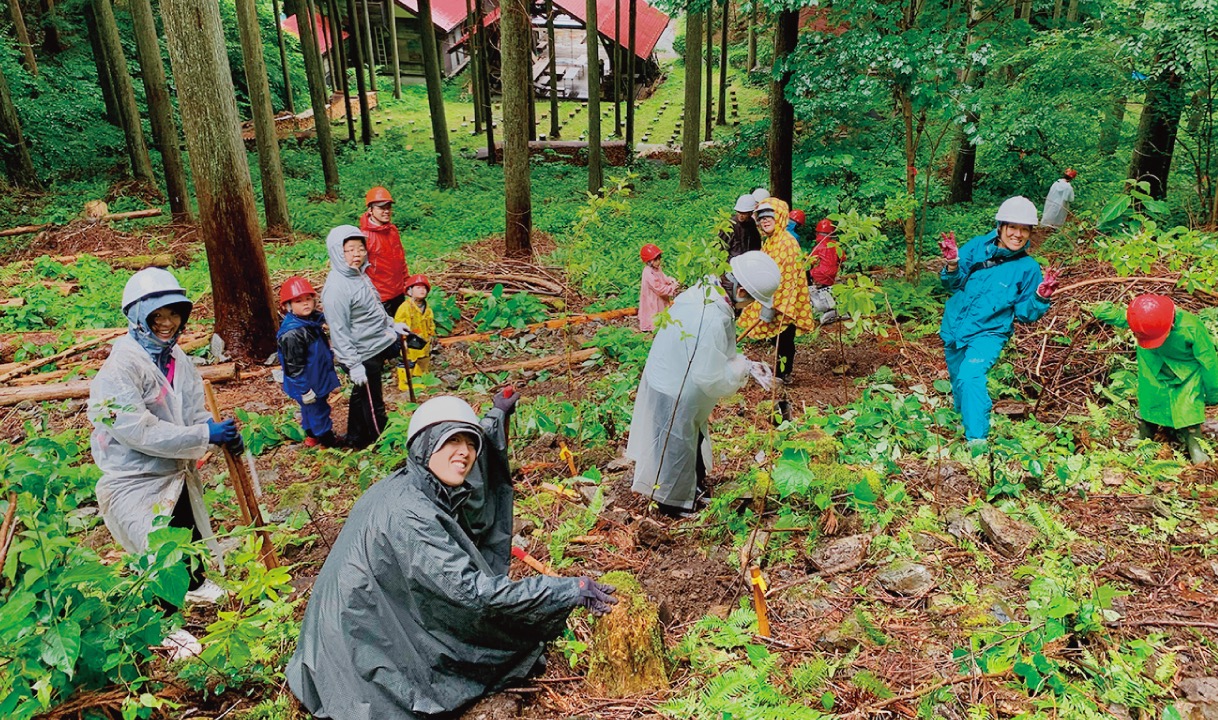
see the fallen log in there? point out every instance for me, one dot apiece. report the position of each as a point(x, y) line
point(80, 388)
point(549, 285)
point(23, 229)
point(108, 217)
point(12, 302)
point(78, 347)
point(139, 262)
point(539, 363)
point(546, 324)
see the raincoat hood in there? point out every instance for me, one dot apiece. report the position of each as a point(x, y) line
point(782, 212)
point(139, 330)
point(425, 445)
point(334, 247)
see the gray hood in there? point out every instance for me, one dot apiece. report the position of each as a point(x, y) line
point(360, 328)
point(334, 247)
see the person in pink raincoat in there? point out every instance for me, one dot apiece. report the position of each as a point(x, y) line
point(656, 290)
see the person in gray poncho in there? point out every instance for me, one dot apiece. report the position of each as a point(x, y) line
point(410, 616)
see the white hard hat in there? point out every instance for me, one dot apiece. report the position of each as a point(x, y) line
point(757, 273)
point(445, 408)
point(1017, 210)
point(761, 194)
point(152, 282)
point(746, 203)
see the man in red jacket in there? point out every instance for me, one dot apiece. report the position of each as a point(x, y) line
point(386, 257)
point(826, 258)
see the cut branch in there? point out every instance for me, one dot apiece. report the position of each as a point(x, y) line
point(539, 363)
point(78, 347)
point(80, 388)
point(547, 324)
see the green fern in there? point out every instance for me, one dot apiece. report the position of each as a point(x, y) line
point(866, 681)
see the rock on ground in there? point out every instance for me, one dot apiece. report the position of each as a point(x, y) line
point(842, 555)
point(907, 578)
point(1009, 537)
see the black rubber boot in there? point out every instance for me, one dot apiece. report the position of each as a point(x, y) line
point(1191, 436)
point(1146, 431)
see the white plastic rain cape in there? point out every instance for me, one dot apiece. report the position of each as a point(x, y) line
point(1057, 203)
point(147, 435)
point(693, 364)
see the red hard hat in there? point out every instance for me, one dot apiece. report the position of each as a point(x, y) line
point(649, 252)
point(797, 216)
point(1151, 317)
point(376, 195)
point(295, 287)
point(825, 226)
point(418, 280)
point(1071, 173)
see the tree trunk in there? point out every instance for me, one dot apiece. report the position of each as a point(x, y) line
point(690, 130)
point(340, 47)
point(105, 81)
point(911, 241)
point(475, 83)
point(391, 11)
point(532, 99)
point(484, 77)
point(274, 195)
point(1110, 127)
point(1057, 10)
point(160, 109)
point(365, 115)
point(1072, 12)
point(1156, 139)
point(721, 118)
point(51, 41)
point(137, 149)
point(964, 169)
point(435, 98)
point(515, 42)
point(317, 98)
point(23, 37)
point(245, 311)
point(370, 46)
point(631, 93)
point(596, 177)
point(753, 18)
point(17, 163)
point(709, 117)
point(289, 101)
point(616, 65)
point(555, 128)
point(782, 114)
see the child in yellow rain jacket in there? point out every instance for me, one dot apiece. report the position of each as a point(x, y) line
point(419, 318)
point(792, 311)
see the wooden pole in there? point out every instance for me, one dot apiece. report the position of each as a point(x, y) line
point(244, 488)
point(763, 618)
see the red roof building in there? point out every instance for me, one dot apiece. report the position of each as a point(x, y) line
point(649, 23)
point(322, 26)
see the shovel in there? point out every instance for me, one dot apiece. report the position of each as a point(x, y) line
point(518, 552)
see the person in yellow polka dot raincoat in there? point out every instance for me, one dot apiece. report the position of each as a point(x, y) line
point(794, 310)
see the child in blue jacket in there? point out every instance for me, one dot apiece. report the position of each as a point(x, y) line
point(308, 364)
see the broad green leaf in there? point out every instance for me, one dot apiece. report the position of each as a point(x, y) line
point(61, 646)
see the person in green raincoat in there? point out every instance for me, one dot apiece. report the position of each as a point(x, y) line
point(1177, 368)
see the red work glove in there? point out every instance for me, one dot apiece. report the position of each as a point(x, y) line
point(1049, 285)
point(947, 245)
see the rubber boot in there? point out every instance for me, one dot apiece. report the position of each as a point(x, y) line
point(1146, 431)
point(1192, 441)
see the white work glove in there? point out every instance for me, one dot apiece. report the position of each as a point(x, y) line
point(359, 375)
point(763, 374)
point(402, 329)
point(768, 314)
point(309, 398)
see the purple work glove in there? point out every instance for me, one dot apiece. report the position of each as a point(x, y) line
point(947, 245)
point(1049, 285)
point(595, 596)
point(506, 400)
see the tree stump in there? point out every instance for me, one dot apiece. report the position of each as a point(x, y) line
point(626, 653)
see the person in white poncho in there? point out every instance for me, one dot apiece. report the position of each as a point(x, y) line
point(692, 365)
point(1057, 202)
point(150, 426)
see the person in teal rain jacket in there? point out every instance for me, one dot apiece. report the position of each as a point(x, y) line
point(994, 282)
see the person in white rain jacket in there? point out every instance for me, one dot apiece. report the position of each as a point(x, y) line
point(1057, 202)
point(692, 365)
point(150, 425)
